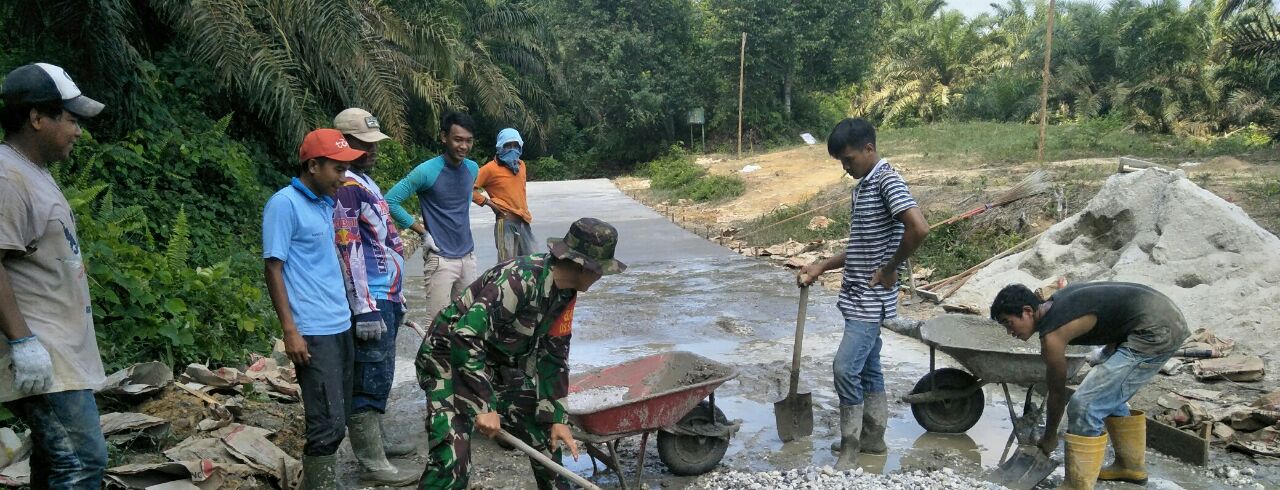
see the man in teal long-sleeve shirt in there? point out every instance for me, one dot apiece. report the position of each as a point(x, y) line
point(443, 185)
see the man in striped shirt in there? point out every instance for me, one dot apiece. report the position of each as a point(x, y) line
point(885, 228)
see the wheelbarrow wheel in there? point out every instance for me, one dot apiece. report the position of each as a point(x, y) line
point(689, 455)
point(948, 416)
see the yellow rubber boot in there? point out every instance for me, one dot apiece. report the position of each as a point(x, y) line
point(1084, 459)
point(1129, 437)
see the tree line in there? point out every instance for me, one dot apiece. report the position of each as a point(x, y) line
point(208, 99)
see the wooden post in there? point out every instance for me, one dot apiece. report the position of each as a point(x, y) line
point(742, 72)
point(1044, 85)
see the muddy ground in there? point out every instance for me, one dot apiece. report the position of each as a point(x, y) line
point(683, 293)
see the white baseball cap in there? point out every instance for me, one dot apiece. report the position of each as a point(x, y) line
point(41, 82)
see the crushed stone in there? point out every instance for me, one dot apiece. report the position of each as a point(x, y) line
point(826, 477)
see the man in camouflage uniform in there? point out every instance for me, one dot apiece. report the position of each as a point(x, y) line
point(517, 315)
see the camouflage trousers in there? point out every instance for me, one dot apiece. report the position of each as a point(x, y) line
point(449, 434)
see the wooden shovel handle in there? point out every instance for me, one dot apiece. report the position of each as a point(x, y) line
point(545, 461)
point(799, 347)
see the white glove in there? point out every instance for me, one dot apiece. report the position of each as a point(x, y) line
point(1100, 355)
point(370, 328)
point(429, 243)
point(32, 367)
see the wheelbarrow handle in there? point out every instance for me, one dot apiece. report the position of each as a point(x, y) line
point(799, 345)
point(545, 461)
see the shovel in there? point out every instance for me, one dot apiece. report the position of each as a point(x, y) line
point(1025, 469)
point(542, 459)
point(794, 414)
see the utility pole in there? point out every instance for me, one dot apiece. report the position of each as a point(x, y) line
point(1044, 86)
point(742, 72)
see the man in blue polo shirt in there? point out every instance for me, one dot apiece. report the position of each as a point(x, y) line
point(304, 279)
point(443, 185)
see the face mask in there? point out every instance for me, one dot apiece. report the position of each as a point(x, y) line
point(510, 157)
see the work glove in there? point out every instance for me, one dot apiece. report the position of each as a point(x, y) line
point(1100, 355)
point(369, 326)
point(32, 367)
point(429, 243)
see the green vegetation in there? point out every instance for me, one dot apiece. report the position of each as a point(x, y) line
point(675, 176)
point(995, 142)
point(952, 249)
point(1198, 71)
point(792, 223)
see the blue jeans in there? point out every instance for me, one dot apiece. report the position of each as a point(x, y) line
point(857, 363)
point(1107, 388)
point(376, 363)
point(68, 450)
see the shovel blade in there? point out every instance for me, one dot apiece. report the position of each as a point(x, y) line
point(1025, 469)
point(794, 416)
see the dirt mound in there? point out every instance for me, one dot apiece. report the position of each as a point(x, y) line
point(1157, 228)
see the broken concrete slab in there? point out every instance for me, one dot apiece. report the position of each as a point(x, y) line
point(1265, 442)
point(1234, 368)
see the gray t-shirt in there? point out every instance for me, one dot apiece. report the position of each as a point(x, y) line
point(38, 234)
point(1132, 315)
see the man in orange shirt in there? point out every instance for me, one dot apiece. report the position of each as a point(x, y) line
point(503, 180)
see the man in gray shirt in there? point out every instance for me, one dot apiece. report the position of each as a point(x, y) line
point(1142, 327)
point(49, 366)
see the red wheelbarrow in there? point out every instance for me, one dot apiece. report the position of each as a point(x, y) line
point(661, 393)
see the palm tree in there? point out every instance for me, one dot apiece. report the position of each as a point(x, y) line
point(293, 63)
point(926, 69)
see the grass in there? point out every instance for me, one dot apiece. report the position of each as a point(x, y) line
point(675, 176)
point(787, 224)
point(1014, 143)
point(1264, 202)
point(952, 249)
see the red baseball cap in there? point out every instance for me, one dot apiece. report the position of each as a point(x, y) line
point(327, 143)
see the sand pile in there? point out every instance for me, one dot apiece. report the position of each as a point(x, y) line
point(1157, 228)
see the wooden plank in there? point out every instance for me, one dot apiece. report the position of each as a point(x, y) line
point(1177, 444)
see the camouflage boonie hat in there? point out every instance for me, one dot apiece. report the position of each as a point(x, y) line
point(590, 242)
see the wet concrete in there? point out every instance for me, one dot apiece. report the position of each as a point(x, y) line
point(684, 293)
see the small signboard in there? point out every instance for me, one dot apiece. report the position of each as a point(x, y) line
point(697, 116)
point(808, 139)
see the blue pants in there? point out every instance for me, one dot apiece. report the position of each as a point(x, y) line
point(1107, 388)
point(68, 451)
point(376, 363)
point(857, 363)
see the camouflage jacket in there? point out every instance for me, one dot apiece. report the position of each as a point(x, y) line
point(511, 317)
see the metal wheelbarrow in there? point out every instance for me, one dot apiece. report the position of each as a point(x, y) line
point(661, 393)
point(950, 400)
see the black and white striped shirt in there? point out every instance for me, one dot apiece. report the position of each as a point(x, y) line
point(874, 236)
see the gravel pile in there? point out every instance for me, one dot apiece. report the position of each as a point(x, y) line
point(822, 478)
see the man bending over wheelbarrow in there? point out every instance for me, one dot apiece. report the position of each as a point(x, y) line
point(516, 315)
point(1141, 329)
